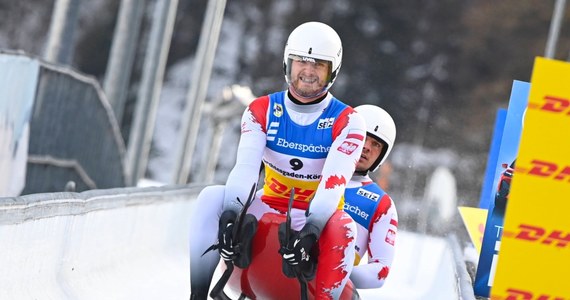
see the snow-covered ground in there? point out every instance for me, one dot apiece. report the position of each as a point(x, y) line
point(423, 268)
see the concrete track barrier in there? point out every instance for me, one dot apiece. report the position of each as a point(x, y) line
point(104, 244)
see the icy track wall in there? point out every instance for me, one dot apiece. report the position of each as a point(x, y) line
point(128, 243)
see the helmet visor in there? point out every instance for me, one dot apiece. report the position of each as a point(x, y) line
point(309, 77)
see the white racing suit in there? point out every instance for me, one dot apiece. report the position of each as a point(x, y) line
point(377, 224)
point(311, 149)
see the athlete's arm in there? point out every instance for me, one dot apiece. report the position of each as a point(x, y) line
point(350, 132)
point(249, 154)
point(380, 248)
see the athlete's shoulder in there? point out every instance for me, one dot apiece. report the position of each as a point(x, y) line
point(386, 204)
point(349, 118)
point(371, 185)
point(339, 106)
point(257, 110)
point(274, 101)
point(379, 194)
point(260, 103)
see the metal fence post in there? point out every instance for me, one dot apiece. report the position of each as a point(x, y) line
point(199, 83)
point(554, 31)
point(59, 46)
point(120, 63)
point(149, 93)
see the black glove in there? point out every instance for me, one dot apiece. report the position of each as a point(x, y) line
point(225, 235)
point(298, 254)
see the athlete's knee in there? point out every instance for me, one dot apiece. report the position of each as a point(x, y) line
point(209, 202)
point(211, 195)
point(340, 225)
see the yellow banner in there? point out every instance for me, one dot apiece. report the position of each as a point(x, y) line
point(474, 220)
point(534, 256)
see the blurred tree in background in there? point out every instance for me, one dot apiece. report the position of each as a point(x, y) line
point(441, 68)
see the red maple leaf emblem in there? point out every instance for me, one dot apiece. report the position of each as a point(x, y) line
point(383, 273)
point(334, 181)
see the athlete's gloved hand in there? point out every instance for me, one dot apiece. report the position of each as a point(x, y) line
point(225, 235)
point(299, 253)
point(299, 250)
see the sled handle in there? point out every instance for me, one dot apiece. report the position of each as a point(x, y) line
point(300, 277)
point(219, 287)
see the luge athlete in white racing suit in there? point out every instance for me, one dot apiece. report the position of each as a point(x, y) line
point(372, 209)
point(309, 142)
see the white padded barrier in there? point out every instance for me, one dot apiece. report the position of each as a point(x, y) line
point(127, 243)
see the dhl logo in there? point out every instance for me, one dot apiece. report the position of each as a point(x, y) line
point(540, 235)
point(553, 104)
point(517, 294)
point(283, 190)
point(543, 168)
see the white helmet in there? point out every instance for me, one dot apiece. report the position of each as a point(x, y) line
point(381, 126)
point(317, 41)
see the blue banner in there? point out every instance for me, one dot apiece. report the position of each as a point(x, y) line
point(487, 189)
point(503, 168)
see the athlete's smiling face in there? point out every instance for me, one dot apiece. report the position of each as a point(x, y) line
point(309, 77)
point(370, 153)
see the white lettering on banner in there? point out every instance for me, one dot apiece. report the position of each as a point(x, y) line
point(494, 264)
point(495, 257)
point(302, 147)
point(370, 195)
point(499, 230)
point(325, 123)
point(356, 210)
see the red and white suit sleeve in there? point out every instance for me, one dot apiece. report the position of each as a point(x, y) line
point(249, 154)
point(382, 237)
point(350, 132)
